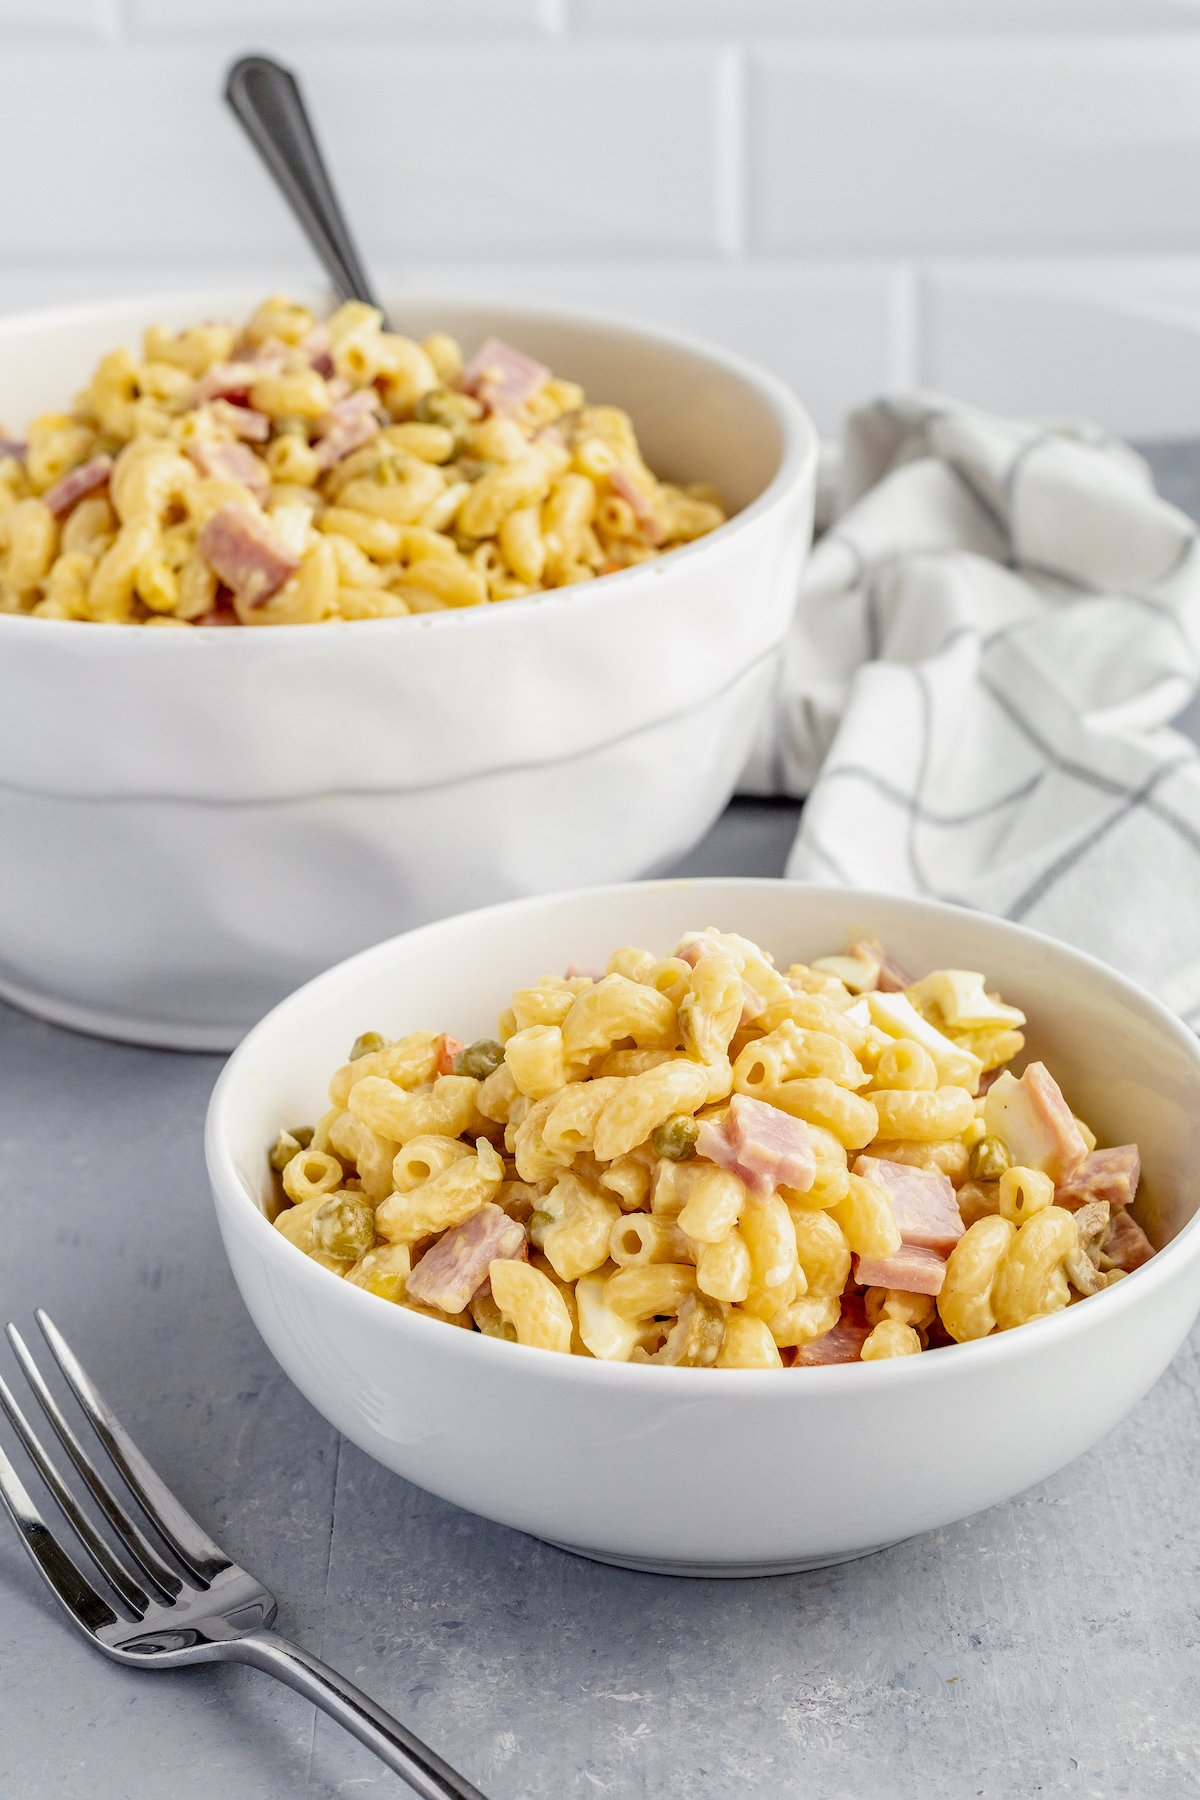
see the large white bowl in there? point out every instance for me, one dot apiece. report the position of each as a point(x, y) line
point(699, 1471)
point(194, 822)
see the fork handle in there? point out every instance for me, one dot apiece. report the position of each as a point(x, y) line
point(421, 1767)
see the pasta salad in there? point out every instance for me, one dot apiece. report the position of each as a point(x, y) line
point(702, 1159)
point(289, 470)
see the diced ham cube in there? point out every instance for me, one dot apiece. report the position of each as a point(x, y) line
point(347, 426)
point(230, 462)
point(1033, 1119)
point(243, 550)
point(626, 488)
point(447, 1049)
point(456, 1266)
point(241, 421)
point(1126, 1246)
point(502, 378)
point(233, 380)
point(841, 1345)
point(218, 616)
point(890, 978)
point(912, 1269)
point(11, 447)
point(316, 345)
point(923, 1201)
point(84, 480)
point(573, 972)
point(1110, 1175)
point(765, 1147)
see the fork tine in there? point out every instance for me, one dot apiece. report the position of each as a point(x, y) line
point(137, 1602)
point(151, 1563)
point(81, 1600)
point(174, 1524)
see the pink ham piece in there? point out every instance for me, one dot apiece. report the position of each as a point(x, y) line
point(347, 426)
point(81, 481)
point(625, 488)
point(841, 1345)
point(502, 378)
point(764, 1147)
point(1126, 1245)
point(1033, 1119)
point(1110, 1175)
point(923, 1201)
point(241, 421)
point(316, 345)
point(230, 462)
point(447, 1049)
point(454, 1268)
point(11, 447)
point(246, 554)
point(573, 972)
point(913, 1270)
point(233, 380)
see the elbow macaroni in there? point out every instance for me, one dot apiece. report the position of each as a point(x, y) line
point(660, 1217)
point(434, 489)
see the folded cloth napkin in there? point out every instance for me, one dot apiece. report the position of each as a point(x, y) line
point(993, 635)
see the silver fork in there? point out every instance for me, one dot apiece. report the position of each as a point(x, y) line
point(145, 1613)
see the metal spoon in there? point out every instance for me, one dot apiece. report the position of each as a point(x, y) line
point(266, 100)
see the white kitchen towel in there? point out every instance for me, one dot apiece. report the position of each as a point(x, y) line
point(994, 633)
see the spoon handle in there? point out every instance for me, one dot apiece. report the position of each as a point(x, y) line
point(267, 102)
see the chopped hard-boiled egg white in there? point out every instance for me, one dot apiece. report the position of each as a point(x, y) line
point(962, 1001)
point(896, 1014)
point(605, 1332)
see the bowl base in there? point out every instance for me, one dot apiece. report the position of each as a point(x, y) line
point(121, 1028)
point(716, 1571)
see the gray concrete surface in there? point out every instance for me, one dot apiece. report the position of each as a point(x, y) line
point(1048, 1647)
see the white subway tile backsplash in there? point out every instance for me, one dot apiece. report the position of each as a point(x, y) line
point(1058, 144)
point(479, 19)
point(995, 197)
point(890, 18)
point(1063, 341)
point(823, 329)
point(507, 150)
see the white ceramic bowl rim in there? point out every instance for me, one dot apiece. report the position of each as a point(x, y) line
point(800, 450)
point(1025, 1340)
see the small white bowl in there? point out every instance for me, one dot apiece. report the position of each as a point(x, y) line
point(194, 822)
point(700, 1471)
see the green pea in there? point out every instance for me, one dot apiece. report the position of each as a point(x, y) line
point(366, 1044)
point(499, 1328)
point(480, 1059)
point(676, 1138)
point(441, 407)
point(989, 1159)
point(537, 1227)
point(286, 1145)
point(345, 1226)
point(695, 1339)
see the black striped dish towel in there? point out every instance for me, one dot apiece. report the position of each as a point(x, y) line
point(994, 633)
